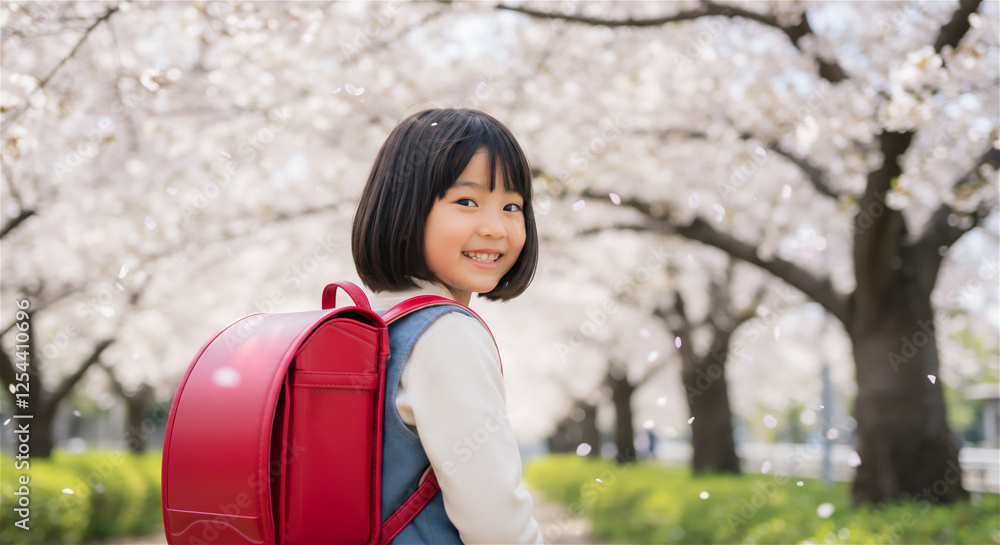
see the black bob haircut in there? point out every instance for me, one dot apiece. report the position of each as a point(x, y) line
point(419, 161)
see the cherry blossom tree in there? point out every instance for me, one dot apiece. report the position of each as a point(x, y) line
point(862, 108)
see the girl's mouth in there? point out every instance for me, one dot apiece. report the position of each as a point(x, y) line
point(482, 257)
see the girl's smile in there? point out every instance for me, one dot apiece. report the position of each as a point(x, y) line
point(473, 236)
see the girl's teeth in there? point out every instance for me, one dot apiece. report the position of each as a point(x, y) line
point(484, 258)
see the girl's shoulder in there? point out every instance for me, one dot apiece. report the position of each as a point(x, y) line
point(458, 328)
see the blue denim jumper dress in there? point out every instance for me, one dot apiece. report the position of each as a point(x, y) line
point(403, 457)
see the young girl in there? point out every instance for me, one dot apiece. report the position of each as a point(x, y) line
point(447, 211)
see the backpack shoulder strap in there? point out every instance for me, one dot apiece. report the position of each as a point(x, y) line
point(429, 487)
point(419, 302)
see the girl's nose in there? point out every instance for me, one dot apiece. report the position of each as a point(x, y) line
point(491, 226)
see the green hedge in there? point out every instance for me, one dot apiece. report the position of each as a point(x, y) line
point(646, 503)
point(114, 494)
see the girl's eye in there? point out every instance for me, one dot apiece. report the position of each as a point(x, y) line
point(466, 202)
point(512, 208)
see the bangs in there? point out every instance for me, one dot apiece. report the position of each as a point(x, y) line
point(474, 134)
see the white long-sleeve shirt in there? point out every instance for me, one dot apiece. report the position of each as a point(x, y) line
point(451, 394)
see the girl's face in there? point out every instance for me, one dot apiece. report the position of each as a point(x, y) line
point(473, 236)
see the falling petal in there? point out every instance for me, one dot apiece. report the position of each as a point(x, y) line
point(615, 198)
point(825, 510)
point(854, 460)
point(661, 401)
point(690, 420)
point(800, 483)
point(11, 388)
point(352, 90)
point(337, 90)
point(119, 286)
point(694, 200)
point(703, 495)
point(578, 205)
point(652, 356)
point(77, 413)
point(68, 491)
point(583, 449)
point(932, 378)
point(720, 212)
point(434, 124)
point(677, 342)
point(5, 422)
point(786, 191)
point(832, 434)
point(226, 155)
point(649, 424)
point(171, 191)
point(123, 271)
point(765, 467)
point(770, 421)
point(226, 377)
point(598, 480)
point(777, 332)
point(150, 223)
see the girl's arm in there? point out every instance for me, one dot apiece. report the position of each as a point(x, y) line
point(452, 390)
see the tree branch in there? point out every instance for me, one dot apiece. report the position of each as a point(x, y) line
point(956, 28)
point(942, 231)
point(818, 289)
point(41, 84)
point(12, 224)
point(830, 71)
point(878, 229)
point(816, 175)
point(67, 384)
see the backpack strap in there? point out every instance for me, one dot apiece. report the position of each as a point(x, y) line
point(414, 304)
point(429, 487)
point(410, 509)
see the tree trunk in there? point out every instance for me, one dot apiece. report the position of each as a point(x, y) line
point(591, 435)
point(138, 437)
point(712, 428)
point(906, 447)
point(621, 396)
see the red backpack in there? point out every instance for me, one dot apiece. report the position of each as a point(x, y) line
point(275, 434)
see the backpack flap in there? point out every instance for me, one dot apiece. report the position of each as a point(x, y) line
point(335, 435)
